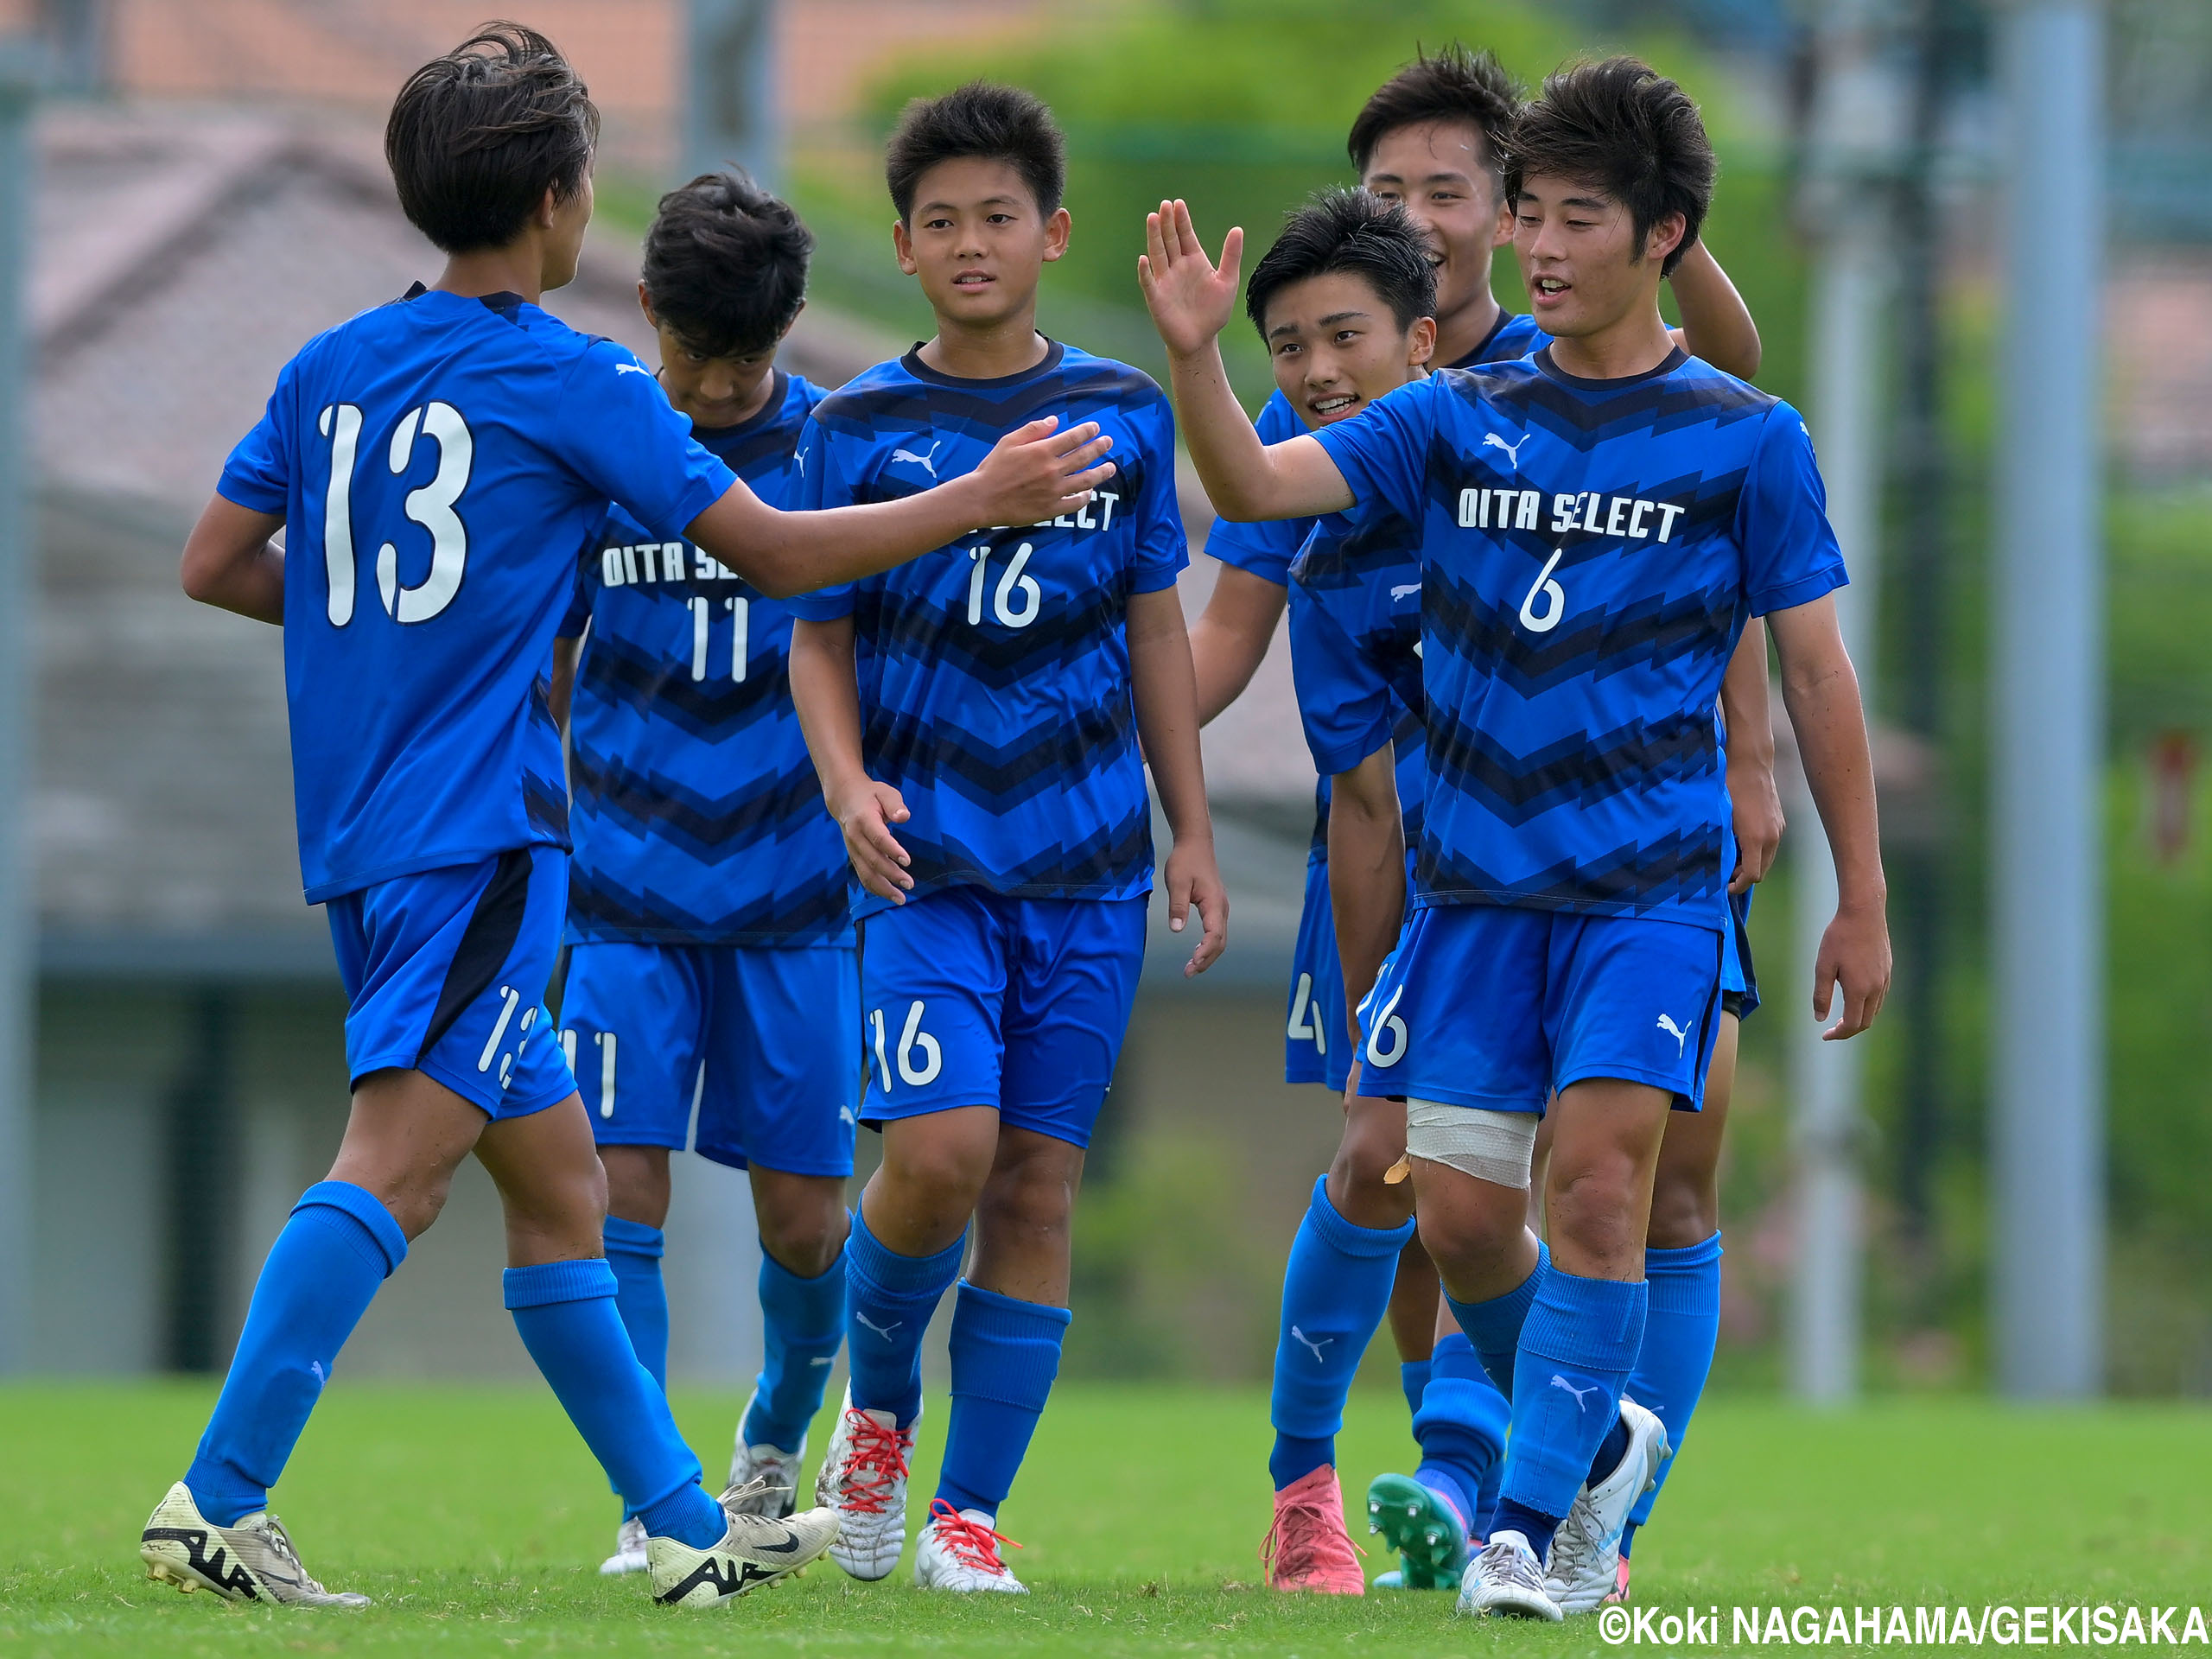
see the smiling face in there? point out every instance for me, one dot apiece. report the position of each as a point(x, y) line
point(978, 242)
point(1336, 348)
point(1581, 256)
point(1439, 171)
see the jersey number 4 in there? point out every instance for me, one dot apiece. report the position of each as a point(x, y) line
point(430, 506)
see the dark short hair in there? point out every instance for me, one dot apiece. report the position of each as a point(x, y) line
point(982, 119)
point(726, 265)
point(1453, 84)
point(1351, 232)
point(477, 138)
point(1623, 127)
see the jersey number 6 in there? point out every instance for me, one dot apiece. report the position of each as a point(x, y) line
point(430, 506)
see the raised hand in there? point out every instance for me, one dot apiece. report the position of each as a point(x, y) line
point(1191, 299)
point(1036, 472)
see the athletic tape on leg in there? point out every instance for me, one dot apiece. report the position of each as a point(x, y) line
point(1495, 1146)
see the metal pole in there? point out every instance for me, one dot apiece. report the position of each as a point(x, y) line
point(18, 592)
point(2047, 1153)
point(1825, 1077)
point(729, 104)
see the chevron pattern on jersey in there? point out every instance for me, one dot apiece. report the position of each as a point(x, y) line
point(1094, 867)
point(1673, 871)
point(605, 910)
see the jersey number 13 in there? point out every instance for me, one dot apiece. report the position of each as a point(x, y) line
point(430, 506)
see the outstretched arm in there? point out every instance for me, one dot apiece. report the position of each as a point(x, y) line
point(1192, 301)
point(1754, 802)
point(1231, 638)
point(1165, 695)
point(1717, 325)
point(229, 562)
point(1033, 474)
point(1821, 690)
point(828, 697)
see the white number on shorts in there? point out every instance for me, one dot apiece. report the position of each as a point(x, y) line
point(1388, 1021)
point(912, 1041)
point(1306, 1019)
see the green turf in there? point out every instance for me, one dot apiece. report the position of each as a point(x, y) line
point(475, 1518)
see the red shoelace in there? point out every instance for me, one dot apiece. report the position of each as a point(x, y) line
point(1307, 1535)
point(972, 1543)
point(877, 1458)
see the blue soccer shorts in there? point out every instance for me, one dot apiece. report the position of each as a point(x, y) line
point(1740, 981)
point(1317, 1043)
point(445, 974)
point(765, 1043)
point(1501, 1006)
point(974, 999)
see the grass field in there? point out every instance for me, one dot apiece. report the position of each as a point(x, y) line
point(475, 1518)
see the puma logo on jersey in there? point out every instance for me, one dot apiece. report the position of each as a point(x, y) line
point(845, 1114)
point(1404, 590)
point(1491, 441)
point(1681, 1038)
point(632, 368)
point(883, 1330)
point(927, 463)
point(1316, 1346)
point(1580, 1394)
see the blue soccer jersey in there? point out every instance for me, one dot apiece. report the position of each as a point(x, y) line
point(1591, 550)
point(995, 672)
point(1266, 549)
point(697, 816)
point(441, 463)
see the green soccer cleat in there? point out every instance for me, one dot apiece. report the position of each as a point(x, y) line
point(1426, 1533)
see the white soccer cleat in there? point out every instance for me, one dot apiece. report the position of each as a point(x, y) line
point(1506, 1577)
point(755, 1551)
point(863, 1479)
point(959, 1550)
point(770, 1468)
point(629, 1554)
point(253, 1561)
point(1584, 1570)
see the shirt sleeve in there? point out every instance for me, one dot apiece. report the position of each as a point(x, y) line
point(588, 579)
point(1791, 554)
point(259, 474)
point(614, 428)
point(1161, 553)
point(1382, 451)
point(1342, 703)
point(822, 483)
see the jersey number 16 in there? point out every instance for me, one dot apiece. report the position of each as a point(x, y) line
point(430, 506)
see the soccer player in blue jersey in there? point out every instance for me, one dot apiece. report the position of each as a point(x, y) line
point(1343, 307)
point(976, 720)
point(1431, 138)
point(440, 463)
point(1598, 521)
point(710, 943)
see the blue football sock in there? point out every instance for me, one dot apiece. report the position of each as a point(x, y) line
point(340, 1245)
point(1005, 1355)
point(565, 1314)
point(1577, 1348)
point(1628, 1532)
point(1413, 1378)
point(633, 1250)
point(889, 1300)
point(1610, 1452)
point(1679, 1334)
point(1461, 1429)
point(1336, 1289)
point(1494, 1327)
point(802, 1326)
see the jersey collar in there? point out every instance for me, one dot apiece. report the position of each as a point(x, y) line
point(914, 364)
point(779, 389)
point(1475, 359)
point(1666, 365)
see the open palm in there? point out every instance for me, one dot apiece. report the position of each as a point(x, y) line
point(1191, 299)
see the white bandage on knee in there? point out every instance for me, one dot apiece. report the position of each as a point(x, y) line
point(1494, 1147)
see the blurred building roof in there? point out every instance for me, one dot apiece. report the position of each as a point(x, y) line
point(182, 257)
